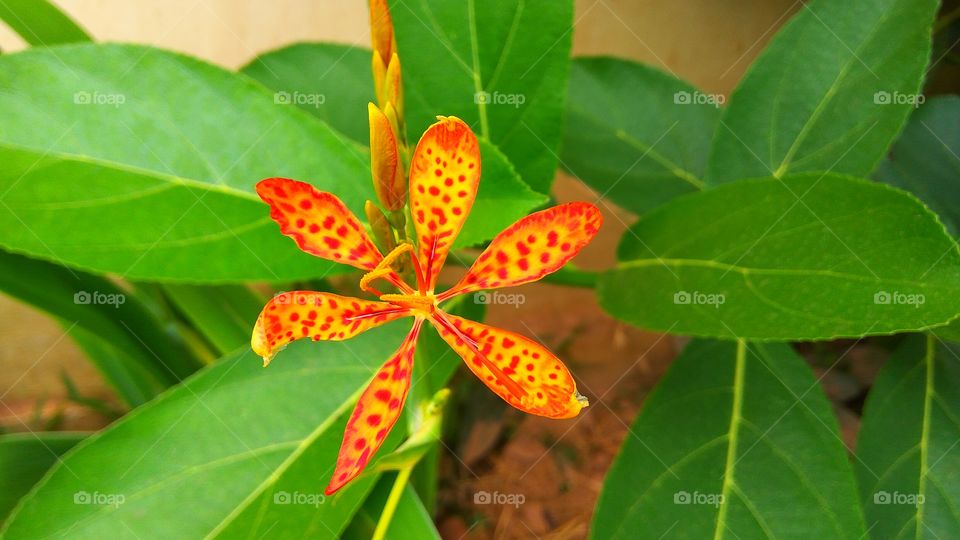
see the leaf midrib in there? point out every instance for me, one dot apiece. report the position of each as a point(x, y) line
point(287, 463)
point(746, 271)
point(929, 360)
point(736, 415)
point(134, 169)
point(830, 93)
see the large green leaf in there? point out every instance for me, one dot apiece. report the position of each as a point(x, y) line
point(236, 450)
point(908, 463)
point(342, 75)
point(142, 162)
point(809, 257)
point(502, 66)
point(636, 135)
point(39, 22)
point(502, 199)
point(829, 93)
point(223, 314)
point(25, 458)
point(924, 159)
point(330, 81)
point(737, 441)
point(126, 342)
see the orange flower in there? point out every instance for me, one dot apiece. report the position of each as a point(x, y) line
point(444, 176)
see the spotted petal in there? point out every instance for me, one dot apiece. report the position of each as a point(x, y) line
point(531, 248)
point(317, 315)
point(444, 176)
point(318, 222)
point(376, 412)
point(521, 371)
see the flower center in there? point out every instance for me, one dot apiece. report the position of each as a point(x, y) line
point(424, 305)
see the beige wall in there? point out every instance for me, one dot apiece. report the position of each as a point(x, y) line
point(708, 42)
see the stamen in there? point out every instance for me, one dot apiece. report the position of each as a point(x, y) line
point(421, 281)
point(415, 301)
point(384, 270)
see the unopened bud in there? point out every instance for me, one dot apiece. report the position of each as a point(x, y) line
point(386, 167)
point(381, 29)
point(393, 87)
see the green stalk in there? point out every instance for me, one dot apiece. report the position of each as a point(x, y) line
point(388, 509)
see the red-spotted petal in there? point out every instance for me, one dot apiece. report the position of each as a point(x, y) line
point(519, 370)
point(531, 248)
point(444, 176)
point(376, 412)
point(317, 315)
point(318, 222)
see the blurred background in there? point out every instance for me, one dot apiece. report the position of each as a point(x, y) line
point(560, 465)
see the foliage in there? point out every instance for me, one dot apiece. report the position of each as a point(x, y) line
point(817, 202)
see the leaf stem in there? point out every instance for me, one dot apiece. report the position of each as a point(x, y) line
point(388, 509)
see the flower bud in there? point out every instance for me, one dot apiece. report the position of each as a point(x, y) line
point(393, 87)
point(381, 30)
point(386, 167)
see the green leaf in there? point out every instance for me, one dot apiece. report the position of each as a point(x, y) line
point(502, 199)
point(636, 135)
point(129, 375)
point(330, 81)
point(39, 22)
point(237, 449)
point(830, 92)
point(133, 160)
point(25, 458)
point(501, 66)
point(135, 353)
point(342, 75)
point(907, 462)
point(748, 448)
point(814, 256)
point(924, 159)
point(410, 520)
point(223, 314)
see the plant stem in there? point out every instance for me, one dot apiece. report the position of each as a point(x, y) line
point(388, 509)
